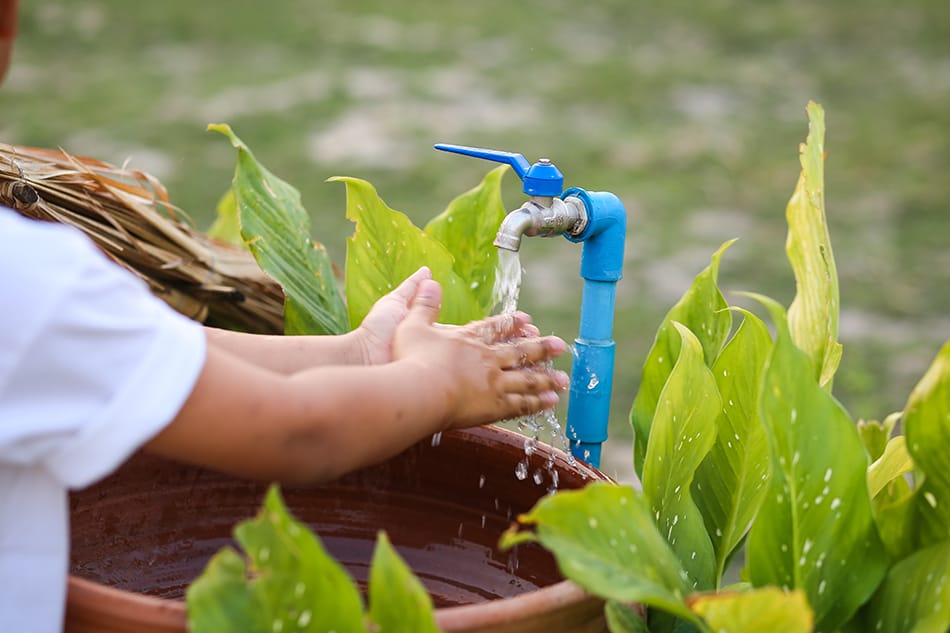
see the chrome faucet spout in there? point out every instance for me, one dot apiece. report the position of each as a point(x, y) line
point(544, 216)
point(516, 224)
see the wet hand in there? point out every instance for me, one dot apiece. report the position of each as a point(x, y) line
point(375, 334)
point(486, 371)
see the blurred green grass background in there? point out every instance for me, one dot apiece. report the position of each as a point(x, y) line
point(690, 112)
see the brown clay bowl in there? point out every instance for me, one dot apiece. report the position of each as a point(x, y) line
point(143, 534)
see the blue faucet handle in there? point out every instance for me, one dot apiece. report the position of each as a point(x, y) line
point(540, 179)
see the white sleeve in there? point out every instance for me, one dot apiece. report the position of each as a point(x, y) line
point(92, 365)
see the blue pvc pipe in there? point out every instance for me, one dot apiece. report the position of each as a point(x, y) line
point(593, 368)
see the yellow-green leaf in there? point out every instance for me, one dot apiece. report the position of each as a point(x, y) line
point(386, 248)
point(467, 229)
point(227, 224)
point(815, 530)
point(768, 610)
point(894, 462)
point(915, 596)
point(289, 582)
point(813, 315)
point(623, 619)
point(683, 431)
point(923, 517)
point(604, 539)
point(875, 434)
point(702, 309)
point(398, 601)
point(731, 482)
point(276, 228)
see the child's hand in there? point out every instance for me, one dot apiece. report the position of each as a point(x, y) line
point(375, 334)
point(486, 371)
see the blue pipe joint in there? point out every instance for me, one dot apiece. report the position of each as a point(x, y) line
point(604, 236)
point(588, 409)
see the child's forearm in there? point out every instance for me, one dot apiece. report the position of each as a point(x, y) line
point(310, 427)
point(289, 354)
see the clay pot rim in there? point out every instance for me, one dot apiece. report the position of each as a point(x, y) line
point(172, 612)
point(162, 614)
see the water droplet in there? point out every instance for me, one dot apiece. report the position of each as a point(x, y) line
point(263, 555)
point(521, 470)
point(537, 477)
point(530, 445)
point(436, 438)
point(481, 481)
point(592, 384)
point(828, 475)
point(304, 618)
point(931, 499)
point(592, 522)
point(277, 626)
point(835, 503)
point(483, 521)
point(299, 589)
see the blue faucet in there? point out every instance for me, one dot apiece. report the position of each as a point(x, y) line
point(598, 220)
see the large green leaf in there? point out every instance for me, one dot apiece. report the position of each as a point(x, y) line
point(604, 539)
point(276, 228)
point(768, 610)
point(398, 601)
point(290, 583)
point(684, 429)
point(813, 315)
point(467, 228)
point(923, 518)
point(386, 248)
point(915, 596)
point(731, 482)
point(702, 309)
point(814, 531)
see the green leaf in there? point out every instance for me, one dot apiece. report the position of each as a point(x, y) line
point(604, 539)
point(731, 482)
point(894, 462)
point(915, 596)
point(813, 315)
point(702, 309)
point(769, 609)
point(875, 435)
point(814, 531)
point(386, 248)
point(290, 583)
point(276, 228)
point(467, 229)
point(398, 601)
point(923, 517)
point(227, 224)
point(623, 619)
point(684, 429)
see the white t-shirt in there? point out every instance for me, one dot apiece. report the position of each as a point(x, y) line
point(91, 367)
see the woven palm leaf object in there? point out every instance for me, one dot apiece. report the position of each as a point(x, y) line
point(127, 213)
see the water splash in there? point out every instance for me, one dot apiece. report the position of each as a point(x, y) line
point(507, 282)
point(505, 297)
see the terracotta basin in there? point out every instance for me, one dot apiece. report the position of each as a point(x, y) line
point(142, 535)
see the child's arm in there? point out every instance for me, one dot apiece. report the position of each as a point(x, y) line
point(318, 423)
point(369, 344)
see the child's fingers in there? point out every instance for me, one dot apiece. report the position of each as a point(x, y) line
point(501, 327)
point(518, 404)
point(533, 381)
point(410, 285)
point(529, 351)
